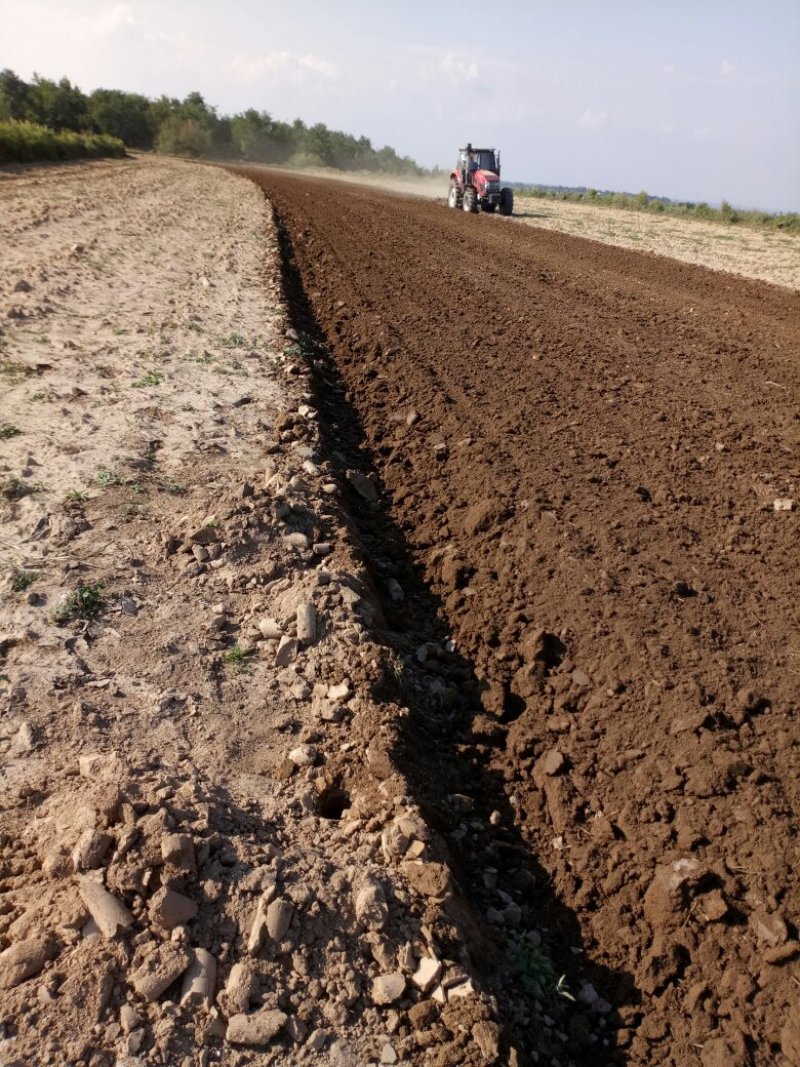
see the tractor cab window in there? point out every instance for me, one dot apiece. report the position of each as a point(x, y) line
point(486, 159)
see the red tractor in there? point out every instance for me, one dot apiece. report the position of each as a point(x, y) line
point(475, 183)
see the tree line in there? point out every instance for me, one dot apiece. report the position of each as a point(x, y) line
point(191, 127)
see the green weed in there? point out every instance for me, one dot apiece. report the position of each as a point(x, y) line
point(7, 431)
point(237, 657)
point(22, 580)
point(152, 378)
point(107, 479)
point(85, 602)
point(233, 340)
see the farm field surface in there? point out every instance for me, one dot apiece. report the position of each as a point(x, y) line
point(399, 623)
point(591, 453)
point(736, 249)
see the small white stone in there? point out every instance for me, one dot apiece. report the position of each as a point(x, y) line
point(387, 988)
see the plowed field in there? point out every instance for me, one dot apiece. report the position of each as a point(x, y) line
point(593, 454)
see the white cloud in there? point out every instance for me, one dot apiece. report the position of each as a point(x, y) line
point(285, 66)
point(726, 68)
point(112, 19)
point(593, 120)
point(450, 68)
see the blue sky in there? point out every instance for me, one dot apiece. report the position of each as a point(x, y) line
point(696, 99)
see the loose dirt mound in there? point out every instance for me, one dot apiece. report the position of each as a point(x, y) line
point(593, 456)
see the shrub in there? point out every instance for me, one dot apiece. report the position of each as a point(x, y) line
point(27, 142)
point(183, 137)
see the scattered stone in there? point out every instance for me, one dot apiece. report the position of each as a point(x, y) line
point(770, 929)
point(304, 755)
point(109, 914)
point(548, 766)
point(91, 850)
point(163, 966)
point(169, 908)
point(129, 1018)
point(199, 981)
point(388, 1054)
point(297, 540)
point(306, 624)
point(317, 1040)
point(23, 286)
point(370, 905)
point(24, 960)
point(270, 629)
point(487, 1037)
point(23, 741)
point(713, 906)
point(279, 916)
point(178, 851)
point(287, 652)
point(99, 766)
point(241, 988)
point(783, 504)
point(255, 1030)
point(427, 973)
point(364, 486)
point(387, 988)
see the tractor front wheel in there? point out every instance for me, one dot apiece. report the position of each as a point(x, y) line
point(454, 196)
point(506, 201)
point(470, 200)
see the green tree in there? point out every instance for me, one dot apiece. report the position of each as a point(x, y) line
point(14, 96)
point(58, 105)
point(124, 115)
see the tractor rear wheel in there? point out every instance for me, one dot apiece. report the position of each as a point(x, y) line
point(454, 196)
point(506, 201)
point(470, 200)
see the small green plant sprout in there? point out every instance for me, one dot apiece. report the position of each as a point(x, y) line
point(174, 487)
point(8, 431)
point(74, 496)
point(23, 580)
point(534, 968)
point(237, 657)
point(233, 340)
point(85, 602)
point(107, 479)
point(151, 379)
point(195, 326)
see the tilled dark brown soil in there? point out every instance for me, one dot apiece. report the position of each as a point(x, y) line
point(583, 447)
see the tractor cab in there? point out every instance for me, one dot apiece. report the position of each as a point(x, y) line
point(472, 159)
point(475, 182)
